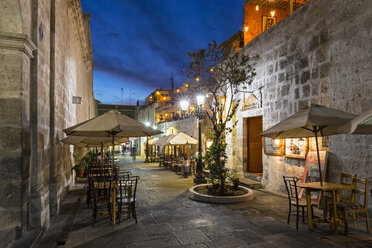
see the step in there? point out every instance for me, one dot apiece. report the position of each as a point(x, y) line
point(253, 184)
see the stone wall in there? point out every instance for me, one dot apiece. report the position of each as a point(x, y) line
point(45, 57)
point(320, 54)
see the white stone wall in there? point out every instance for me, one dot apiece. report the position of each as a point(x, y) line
point(36, 90)
point(321, 54)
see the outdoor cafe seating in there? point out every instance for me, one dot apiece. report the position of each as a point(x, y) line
point(293, 199)
point(339, 202)
point(110, 191)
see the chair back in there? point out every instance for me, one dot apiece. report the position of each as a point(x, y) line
point(360, 193)
point(347, 179)
point(101, 190)
point(291, 187)
point(127, 188)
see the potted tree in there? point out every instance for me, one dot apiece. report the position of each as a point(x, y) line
point(220, 78)
point(82, 163)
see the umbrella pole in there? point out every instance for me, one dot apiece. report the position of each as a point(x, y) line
point(113, 150)
point(101, 154)
point(317, 153)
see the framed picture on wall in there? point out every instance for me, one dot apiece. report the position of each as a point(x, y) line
point(274, 146)
point(296, 147)
point(268, 22)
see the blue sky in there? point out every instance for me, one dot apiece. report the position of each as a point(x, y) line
point(138, 44)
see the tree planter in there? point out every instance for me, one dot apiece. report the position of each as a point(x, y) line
point(220, 199)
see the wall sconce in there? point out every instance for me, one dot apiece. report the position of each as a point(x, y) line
point(77, 100)
point(272, 13)
point(301, 142)
point(246, 28)
point(257, 7)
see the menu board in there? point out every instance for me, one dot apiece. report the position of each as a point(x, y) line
point(311, 173)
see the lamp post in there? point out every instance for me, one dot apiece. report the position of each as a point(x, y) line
point(199, 177)
point(147, 144)
point(184, 105)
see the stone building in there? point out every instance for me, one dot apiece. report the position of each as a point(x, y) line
point(321, 54)
point(162, 110)
point(45, 86)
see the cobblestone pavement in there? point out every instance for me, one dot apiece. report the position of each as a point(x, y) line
point(168, 218)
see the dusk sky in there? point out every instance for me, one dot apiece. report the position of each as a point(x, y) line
point(138, 44)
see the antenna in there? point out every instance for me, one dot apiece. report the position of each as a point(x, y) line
point(172, 81)
point(130, 96)
point(121, 95)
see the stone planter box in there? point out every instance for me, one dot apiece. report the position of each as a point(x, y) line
point(220, 199)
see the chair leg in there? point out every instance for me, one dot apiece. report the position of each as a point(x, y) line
point(134, 212)
point(297, 216)
point(367, 222)
point(312, 215)
point(303, 214)
point(289, 213)
point(355, 218)
point(119, 213)
point(346, 221)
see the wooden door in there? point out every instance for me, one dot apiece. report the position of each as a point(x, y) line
point(254, 125)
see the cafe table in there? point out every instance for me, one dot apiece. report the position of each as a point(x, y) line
point(334, 189)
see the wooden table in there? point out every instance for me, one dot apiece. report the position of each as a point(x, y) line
point(326, 187)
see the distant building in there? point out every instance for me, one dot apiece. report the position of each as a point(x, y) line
point(261, 15)
point(46, 85)
point(128, 110)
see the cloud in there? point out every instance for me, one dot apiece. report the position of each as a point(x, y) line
point(142, 42)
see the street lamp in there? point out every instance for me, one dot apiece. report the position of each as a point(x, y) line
point(147, 123)
point(184, 105)
point(199, 177)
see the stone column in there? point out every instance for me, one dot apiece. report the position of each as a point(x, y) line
point(16, 52)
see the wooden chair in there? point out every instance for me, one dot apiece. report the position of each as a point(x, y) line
point(126, 196)
point(357, 205)
point(293, 200)
point(101, 197)
point(345, 179)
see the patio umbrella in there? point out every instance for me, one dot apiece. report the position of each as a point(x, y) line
point(183, 139)
point(311, 122)
point(111, 124)
point(164, 141)
point(360, 125)
point(92, 141)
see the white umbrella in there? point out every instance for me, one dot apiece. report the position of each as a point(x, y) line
point(92, 141)
point(183, 139)
point(164, 141)
point(111, 124)
point(311, 122)
point(360, 125)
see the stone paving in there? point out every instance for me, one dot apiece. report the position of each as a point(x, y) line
point(168, 218)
